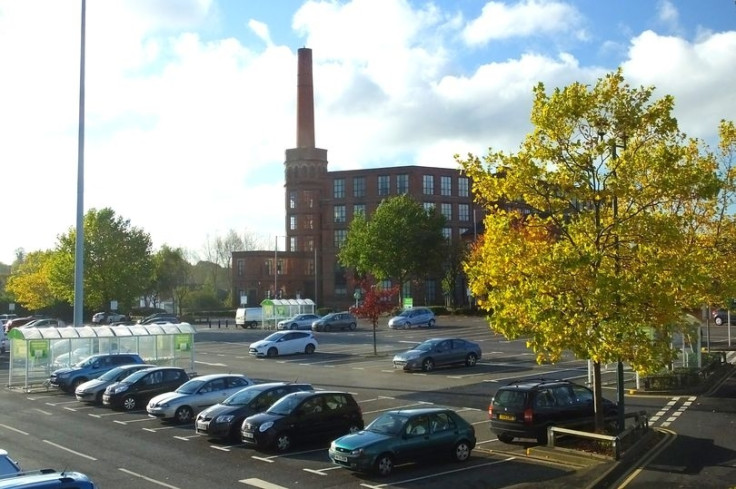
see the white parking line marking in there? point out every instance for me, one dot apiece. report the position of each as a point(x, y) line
point(261, 484)
point(88, 457)
point(133, 420)
point(42, 411)
point(13, 429)
point(212, 364)
point(140, 476)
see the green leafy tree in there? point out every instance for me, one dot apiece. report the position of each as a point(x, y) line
point(611, 250)
point(399, 242)
point(118, 262)
point(29, 281)
point(170, 270)
point(373, 303)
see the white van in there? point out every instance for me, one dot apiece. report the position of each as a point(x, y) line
point(248, 317)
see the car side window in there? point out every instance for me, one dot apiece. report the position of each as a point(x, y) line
point(544, 399)
point(562, 396)
point(582, 395)
point(171, 375)
point(215, 385)
point(444, 346)
point(335, 401)
point(312, 406)
point(237, 382)
point(441, 422)
point(418, 426)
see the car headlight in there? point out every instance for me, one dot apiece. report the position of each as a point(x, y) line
point(225, 418)
point(357, 452)
point(81, 391)
point(118, 389)
point(63, 375)
point(265, 426)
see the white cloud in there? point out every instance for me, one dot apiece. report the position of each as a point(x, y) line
point(526, 18)
point(186, 127)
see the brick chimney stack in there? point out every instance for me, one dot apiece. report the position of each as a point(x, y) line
point(305, 101)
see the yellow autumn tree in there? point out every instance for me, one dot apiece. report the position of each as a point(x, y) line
point(594, 234)
point(29, 282)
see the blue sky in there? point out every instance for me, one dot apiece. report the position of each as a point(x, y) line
point(190, 104)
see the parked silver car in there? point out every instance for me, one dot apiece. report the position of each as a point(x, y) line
point(196, 395)
point(438, 352)
point(300, 321)
point(414, 316)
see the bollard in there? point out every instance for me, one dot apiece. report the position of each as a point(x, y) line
point(218, 324)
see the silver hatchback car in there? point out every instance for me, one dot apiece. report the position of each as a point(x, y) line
point(414, 316)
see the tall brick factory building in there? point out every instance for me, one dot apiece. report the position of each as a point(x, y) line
point(320, 205)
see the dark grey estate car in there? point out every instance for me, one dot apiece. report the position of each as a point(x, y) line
point(68, 379)
point(526, 408)
point(334, 321)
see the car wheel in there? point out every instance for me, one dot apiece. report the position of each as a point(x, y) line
point(471, 360)
point(77, 383)
point(462, 451)
point(98, 397)
point(505, 438)
point(384, 465)
point(282, 442)
point(430, 324)
point(327, 328)
point(718, 321)
point(184, 414)
point(309, 349)
point(427, 365)
point(293, 326)
point(352, 326)
point(129, 403)
point(272, 352)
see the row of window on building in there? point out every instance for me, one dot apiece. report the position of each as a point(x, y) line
point(402, 186)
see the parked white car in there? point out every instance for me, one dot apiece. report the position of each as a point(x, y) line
point(300, 321)
point(284, 343)
point(196, 395)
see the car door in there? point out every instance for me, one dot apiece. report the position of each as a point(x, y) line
point(311, 422)
point(416, 439)
point(210, 393)
point(288, 343)
point(443, 353)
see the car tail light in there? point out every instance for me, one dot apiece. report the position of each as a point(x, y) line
point(490, 411)
point(528, 416)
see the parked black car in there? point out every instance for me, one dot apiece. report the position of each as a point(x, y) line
point(721, 317)
point(525, 408)
point(134, 391)
point(223, 420)
point(303, 416)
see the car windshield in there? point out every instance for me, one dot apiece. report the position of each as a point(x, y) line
point(285, 405)
point(190, 387)
point(242, 398)
point(387, 424)
point(135, 376)
point(426, 346)
point(273, 337)
point(111, 374)
point(405, 313)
